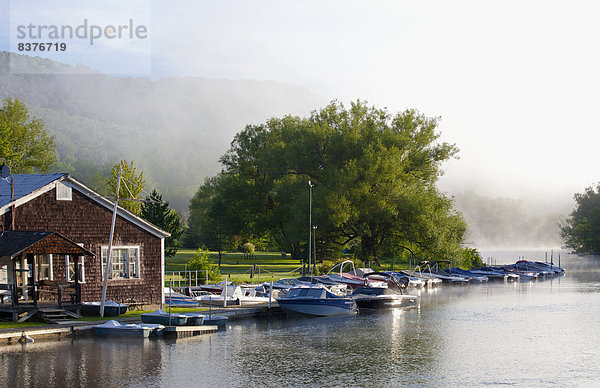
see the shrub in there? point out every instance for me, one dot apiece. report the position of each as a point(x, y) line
point(471, 258)
point(201, 261)
point(248, 247)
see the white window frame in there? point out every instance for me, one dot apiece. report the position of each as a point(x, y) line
point(38, 265)
point(129, 263)
point(81, 264)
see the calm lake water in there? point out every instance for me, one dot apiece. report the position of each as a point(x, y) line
point(524, 334)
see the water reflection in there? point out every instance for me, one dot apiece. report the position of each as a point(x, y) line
point(526, 334)
point(79, 362)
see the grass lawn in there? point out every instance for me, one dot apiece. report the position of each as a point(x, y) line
point(137, 313)
point(129, 314)
point(271, 265)
point(9, 325)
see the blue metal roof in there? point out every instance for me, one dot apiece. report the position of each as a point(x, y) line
point(25, 184)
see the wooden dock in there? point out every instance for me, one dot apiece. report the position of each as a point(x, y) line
point(12, 336)
point(75, 328)
point(177, 332)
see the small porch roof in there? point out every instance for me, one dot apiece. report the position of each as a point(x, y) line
point(14, 243)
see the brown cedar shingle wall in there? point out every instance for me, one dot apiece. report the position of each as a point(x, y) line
point(84, 221)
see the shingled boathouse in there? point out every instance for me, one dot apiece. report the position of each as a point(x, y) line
point(54, 234)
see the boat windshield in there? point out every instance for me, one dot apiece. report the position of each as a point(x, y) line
point(305, 293)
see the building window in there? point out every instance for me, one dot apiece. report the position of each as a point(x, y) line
point(125, 262)
point(44, 267)
point(4, 274)
point(63, 192)
point(70, 261)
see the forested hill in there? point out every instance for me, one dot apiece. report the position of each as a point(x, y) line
point(174, 129)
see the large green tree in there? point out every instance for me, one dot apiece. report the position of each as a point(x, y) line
point(374, 177)
point(157, 211)
point(581, 231)
point(24, 142)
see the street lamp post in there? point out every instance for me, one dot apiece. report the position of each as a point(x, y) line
point(314, 227)
point(310, 186)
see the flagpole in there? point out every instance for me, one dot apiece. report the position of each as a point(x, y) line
point(108, 259)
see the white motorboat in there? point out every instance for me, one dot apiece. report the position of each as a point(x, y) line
point(232, 295)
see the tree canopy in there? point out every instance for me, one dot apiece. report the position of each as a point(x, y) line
point(581, 230)
point(132, 185)
point(24, 142)
point(157, 211)
point(374, 177)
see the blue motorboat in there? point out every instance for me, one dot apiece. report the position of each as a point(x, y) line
point(468, 274)
point(316, 300)
point(496, 273)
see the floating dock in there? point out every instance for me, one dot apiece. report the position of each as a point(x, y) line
point(12, 336)
point(177, 332)
point(76, 328)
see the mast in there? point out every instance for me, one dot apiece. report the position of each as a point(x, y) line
point(108, 259)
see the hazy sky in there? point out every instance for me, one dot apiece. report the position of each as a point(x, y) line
point(515, 82)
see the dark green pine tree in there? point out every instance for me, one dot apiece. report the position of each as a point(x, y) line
point(157, 212)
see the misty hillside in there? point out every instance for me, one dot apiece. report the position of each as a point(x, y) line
point(174, 129)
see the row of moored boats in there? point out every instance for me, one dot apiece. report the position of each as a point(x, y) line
point(346, 290)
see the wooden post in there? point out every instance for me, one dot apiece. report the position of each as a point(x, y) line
point(77, 285)
point(33, 279)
